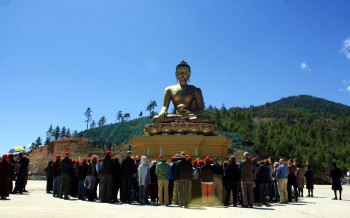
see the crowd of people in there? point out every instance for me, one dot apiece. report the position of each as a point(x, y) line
point(13, 169)
point(181, 182)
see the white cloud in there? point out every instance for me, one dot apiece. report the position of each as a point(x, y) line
point(304, 67)
point(347, 86)
point(346, 48)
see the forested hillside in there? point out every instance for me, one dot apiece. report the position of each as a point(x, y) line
point(311, 130)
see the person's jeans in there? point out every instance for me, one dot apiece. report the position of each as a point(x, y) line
point(56, 186)
point(81, 190)
point(263, 190)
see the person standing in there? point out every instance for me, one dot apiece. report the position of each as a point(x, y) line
point(49, 177)
point(144, 179)
point(153, 186)
point(207, 181)
point(67, 172)
point(162, 172)
point(335, 174)
point(275, 196)
point(107, 182)
point(171, 179)
point(282, 180)
point(117, 179)
point(263, 177)
point(56, 174)
point(82, 172)
point(309, 176)
point(231, 176)
point(217, 185)
point(292, 182)
point(5, 171)
point(300, 180)
point(127, 169)
point(90, 180)
point(22, 172)
point(183, 175)
point(247, 180)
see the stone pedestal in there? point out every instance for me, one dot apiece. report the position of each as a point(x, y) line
point(197, 146)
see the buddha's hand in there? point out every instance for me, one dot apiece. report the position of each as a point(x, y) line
point(182, 109)
point(162, 115)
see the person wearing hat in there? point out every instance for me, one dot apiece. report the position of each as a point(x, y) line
point(107, 182)
point(175, 194)
point(217, 186)
point(5, 169)
point(67, 170)
point(231, 176)
point(49, 178)
point(90, 180)
point(99, 178)
point(127, 170)
point(135, 183)
point(183, 175)
point(162, 172)
point(247, 183)
point(196, 190)
point(207, 181)
point(56, 174)
point(171, 179)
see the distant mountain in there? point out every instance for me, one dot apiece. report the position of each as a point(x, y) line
point(309, 103)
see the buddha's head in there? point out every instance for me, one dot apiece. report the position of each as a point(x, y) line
point(183, 70)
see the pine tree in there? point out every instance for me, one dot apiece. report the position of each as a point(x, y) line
point(68, 134)
point(88, 117)
point(63, 133)
point(38, 142)
point(93, 124)
point(102, 121)
point(56, 133)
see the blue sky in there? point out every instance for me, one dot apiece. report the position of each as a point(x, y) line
point(59, 57)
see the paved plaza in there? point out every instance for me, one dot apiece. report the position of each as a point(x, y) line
point(38, 204)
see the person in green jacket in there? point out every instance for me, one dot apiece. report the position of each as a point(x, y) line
point(162, 172)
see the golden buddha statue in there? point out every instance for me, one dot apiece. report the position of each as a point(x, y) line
point(187, 100)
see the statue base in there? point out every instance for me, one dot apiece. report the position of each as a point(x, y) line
point(196, 146)
point(173, 128)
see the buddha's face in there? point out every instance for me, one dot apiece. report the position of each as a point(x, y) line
point(183, 74)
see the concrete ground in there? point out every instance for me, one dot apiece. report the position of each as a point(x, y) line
point(38, 204)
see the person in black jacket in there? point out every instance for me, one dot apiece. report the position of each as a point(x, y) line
point(49, 177)
point(67, 169)
point(107, 181)
point(127, 170)
point(336, 183)
point(56, 174)
point(231, 176)
point(117, 179)
point(82, 172)
point(183, 175)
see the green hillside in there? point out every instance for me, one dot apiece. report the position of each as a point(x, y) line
point(117, 133)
